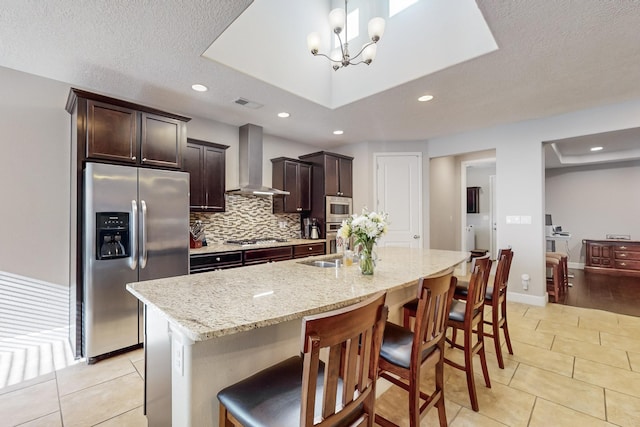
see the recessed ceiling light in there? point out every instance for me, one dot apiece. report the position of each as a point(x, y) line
point(199, 88)
point(596, 148)
point(425, 98)
point(284, 115)
point(338, 132)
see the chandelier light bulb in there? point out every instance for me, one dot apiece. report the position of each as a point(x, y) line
point(313, 42)
point(369, 53)
point(337, 19)
point(376, 29)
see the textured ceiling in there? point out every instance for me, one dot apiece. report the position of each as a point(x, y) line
point(553, 57)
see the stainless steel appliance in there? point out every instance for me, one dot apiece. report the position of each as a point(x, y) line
point(337, 209)
point(136, 227)
point(315, 232)
point(332, 237)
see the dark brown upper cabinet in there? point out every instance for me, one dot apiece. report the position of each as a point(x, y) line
point(205, 162)
point(111, 132)
point(121, 132)
point(332, 173)
point(293, 176)
point(161, 141)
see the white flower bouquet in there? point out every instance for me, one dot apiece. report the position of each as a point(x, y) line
point(366, 229)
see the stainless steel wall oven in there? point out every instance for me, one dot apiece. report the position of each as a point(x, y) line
point(337, 209)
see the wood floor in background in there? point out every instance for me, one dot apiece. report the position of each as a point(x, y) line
point(604, 292)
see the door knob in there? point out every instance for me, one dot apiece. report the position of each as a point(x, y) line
point(416, 236)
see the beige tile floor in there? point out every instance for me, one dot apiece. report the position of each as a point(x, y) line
point(571, 367)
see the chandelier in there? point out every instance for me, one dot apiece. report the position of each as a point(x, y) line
point(341, 58)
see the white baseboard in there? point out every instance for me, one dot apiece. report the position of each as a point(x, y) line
point(536, 300)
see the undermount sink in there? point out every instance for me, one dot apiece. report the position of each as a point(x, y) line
point(328, 263)
point(323, 264)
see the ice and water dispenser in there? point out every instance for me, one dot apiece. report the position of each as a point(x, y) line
point(112, 235)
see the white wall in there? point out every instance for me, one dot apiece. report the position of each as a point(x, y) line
point(444, 203)
point(34, 172)
point(593, 201)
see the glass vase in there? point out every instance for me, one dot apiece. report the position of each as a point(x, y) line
point(367, 259)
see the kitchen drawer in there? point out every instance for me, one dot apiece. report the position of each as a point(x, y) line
point(627, 265)
point(259, 256)
point(627, 248)
point(301, 251)
point(215, 261)
point(622, 255)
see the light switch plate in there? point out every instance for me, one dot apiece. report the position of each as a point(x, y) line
point(513, 219)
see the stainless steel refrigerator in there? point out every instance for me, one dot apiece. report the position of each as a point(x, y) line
point(136, 227)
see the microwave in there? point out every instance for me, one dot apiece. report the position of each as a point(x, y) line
point(338, 208)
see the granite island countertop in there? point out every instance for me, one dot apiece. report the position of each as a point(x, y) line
point(224, 247)
point(218, 303)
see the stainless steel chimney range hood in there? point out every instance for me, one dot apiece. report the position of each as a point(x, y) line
point(250, 168)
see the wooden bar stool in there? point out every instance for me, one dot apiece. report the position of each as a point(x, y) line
point(468, 316)
point(496, 296)
point(405, 353)
point(305, 391)
point(409, 308)
point(558, 283)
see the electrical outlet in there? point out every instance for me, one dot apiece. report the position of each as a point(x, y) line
point(282, 224)
point(178, 357)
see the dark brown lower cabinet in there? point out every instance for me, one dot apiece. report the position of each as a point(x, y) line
point(260, 256)
point(214, 261)
point(617, 257)
point(301, 251)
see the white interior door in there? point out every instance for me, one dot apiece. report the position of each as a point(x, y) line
point(398, 191)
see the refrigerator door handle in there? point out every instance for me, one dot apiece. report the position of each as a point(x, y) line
point(133, 260)
point(143, 237)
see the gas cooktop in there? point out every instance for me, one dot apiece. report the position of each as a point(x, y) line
point(255, 241)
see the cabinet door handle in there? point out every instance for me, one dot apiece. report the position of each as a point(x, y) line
point(623, 247)
point(218, 258)
point(623, 255)
point(310, 248)
point(623, 264)
point(133, 158)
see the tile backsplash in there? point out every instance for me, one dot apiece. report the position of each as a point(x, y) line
point(247, 217)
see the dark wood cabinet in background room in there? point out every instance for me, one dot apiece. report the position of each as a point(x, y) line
point(293, 176)
point(335, 172)
point(205, 162)
point(125, 133)
point(618, 257)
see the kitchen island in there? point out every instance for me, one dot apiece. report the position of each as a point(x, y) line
point(206, 331)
